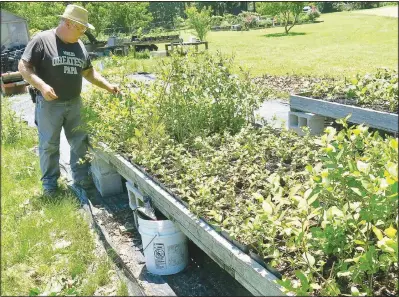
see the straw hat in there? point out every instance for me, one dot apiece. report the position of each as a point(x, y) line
point(77, 14)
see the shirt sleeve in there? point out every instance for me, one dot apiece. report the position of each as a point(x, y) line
point(87, 63)
point(34, 51)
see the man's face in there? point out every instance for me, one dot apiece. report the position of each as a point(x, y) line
point(76, 30)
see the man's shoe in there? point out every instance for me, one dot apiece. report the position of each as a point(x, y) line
point(51, 193)
point(86, 184)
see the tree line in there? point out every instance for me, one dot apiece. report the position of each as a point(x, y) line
point(134, 15)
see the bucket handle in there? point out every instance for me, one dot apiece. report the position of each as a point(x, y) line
point(150, 242)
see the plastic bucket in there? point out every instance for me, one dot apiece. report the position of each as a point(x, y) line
point(165, 246)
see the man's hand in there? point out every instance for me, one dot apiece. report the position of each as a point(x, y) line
point(48, 93)
point(114, 89)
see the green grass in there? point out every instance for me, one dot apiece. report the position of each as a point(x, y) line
point(390, 11)
point(344, 44)
point(45, 242)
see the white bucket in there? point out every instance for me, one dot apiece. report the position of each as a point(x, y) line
point(111, 41)
point(165, 246)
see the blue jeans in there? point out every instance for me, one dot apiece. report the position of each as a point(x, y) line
point(51, 116)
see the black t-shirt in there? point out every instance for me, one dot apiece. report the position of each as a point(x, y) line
point(57, 63)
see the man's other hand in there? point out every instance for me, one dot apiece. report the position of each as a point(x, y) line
point(48, 93)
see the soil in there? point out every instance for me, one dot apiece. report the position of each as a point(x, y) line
point(289, 84)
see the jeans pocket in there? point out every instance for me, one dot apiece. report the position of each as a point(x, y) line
point(39, 101)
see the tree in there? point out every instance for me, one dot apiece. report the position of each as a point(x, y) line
point(199, 20)
point(40, 15)
point(98, 15)
point(128, 15)
point(267, 8)
point(164, 13)
point(287, 11)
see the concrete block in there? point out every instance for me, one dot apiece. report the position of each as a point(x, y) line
point(107, 184)
point(136, 199)
point(297, 120)
point(102, 167)
point(158, 54)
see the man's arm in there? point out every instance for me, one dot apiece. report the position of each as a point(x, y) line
point(27, 72)
point(97, 79)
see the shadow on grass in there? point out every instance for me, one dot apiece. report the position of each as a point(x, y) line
point(284, 35)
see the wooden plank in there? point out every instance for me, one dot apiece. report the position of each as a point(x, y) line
point(245, 270)
point(377, 119)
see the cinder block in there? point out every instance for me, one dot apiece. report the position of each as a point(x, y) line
point(297, 120)
point(158, 54)
point(107, 184)
point(102, 167)
point(136, 199)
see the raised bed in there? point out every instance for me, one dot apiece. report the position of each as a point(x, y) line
point(253, 276)
point(376, 119)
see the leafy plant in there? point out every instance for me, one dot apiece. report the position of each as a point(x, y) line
point(199, 20)
point(378, 90)
point(12, 127)
point(320, 209)
point(289, 12)
point(313, 14)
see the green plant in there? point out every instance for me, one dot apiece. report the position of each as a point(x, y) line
point(265, 23)
point(143, 55)
point(216, 20)
point(12, 129)
point(199, 20)
point(249, 19)
point(288, 12)
point(313, 14)
point(378, 89)
point(204, 97)
point(179, 23)
point(320, 209)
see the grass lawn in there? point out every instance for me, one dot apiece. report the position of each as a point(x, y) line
point(344, 44)
point(47, 246)
point(389, 11)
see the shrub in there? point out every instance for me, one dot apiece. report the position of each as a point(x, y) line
point(216, 20)
point(265, 23)
point(143, 55)
point(313, 14)
point(346, 6)
point(249, 19)
point(11, 125)
point(225, 24)
point(303, 18)
point(379, 89)
point(199, 21)
point(178, 22)
point(204, 97)
point(231, 19)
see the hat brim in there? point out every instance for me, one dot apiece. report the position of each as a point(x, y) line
point(90, 26)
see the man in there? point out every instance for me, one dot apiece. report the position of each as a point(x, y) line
point(54, 62)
